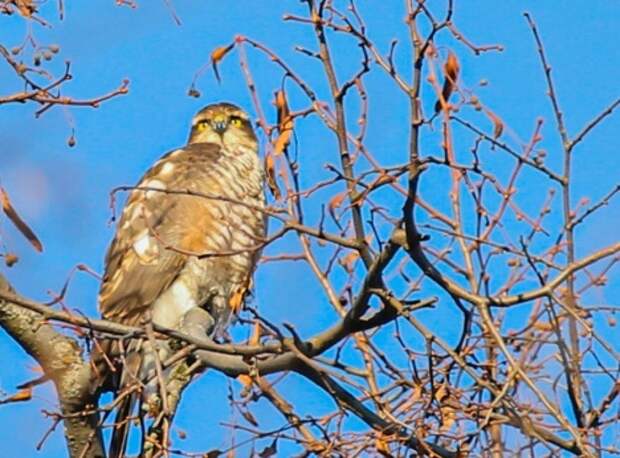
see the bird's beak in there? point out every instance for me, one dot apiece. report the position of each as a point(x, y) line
point(219, 124)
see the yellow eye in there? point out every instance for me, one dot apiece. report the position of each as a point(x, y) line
point(235, 121)
point(201, 126)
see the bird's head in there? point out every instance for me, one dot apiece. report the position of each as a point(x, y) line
point(223, 123)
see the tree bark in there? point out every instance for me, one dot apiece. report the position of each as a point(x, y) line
point(62, 361)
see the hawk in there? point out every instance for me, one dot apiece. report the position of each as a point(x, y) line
point(186, 244)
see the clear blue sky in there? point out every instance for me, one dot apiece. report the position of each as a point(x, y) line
point(64, 192)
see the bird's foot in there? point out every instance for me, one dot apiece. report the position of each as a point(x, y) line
point(197, 322)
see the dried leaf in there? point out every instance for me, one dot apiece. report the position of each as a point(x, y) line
point(282, 142)
point(448, 416)
point(281, 105)
point(498, 125)
point(213, 454)
point(20, 396)
point(442, 392)
point(236, 300)
point(71, 142)
point(336, 201)
point(451, 67)
point(272, 450)
point(245, 380)
point(217, 55)
point(26, 7)
point(417, 392)
point(451, 70)
point(348, 262)
point(18, 222)
point(10, 259)
point(543, 326)
point(256, 333)
point(270, 173)
point(285, 123)
point(249, 417)
point(382, 446)
point(193, 92)
point(448, 413)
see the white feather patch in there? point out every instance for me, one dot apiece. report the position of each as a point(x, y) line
point(141, 245)
point(154, 184)
point(167, 169)
point(145, 247)
point(170, 307)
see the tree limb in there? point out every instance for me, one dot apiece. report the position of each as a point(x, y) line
point(61, 358)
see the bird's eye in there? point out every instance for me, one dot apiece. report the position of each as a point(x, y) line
point(236, 121)
point(202, 125)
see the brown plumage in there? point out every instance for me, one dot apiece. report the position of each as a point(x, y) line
point(187, 239)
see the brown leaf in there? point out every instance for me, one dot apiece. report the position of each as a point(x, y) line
point(19, 223)
point(71, 142)
point(26, 7)
point(543, 326)
point(272, 450)
point(451, 70)
point(10, 259)
point(256, 333)
point(236, 300)
point(270, 172)
point(382, 445)
point(498, 124)
point(416, 395)
point(193, 92)
point(285, 123)
point(348, 262)
point(282, 142)
point(217, 55)
point(20, 396)
point(281, 105)
point(245, 380)
point(336, 201)
point(441, 392)
point(448, 416)
point(249, 417)
point(213, 454)
point(451, 67)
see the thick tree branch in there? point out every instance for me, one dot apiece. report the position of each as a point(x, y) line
point(61, 358)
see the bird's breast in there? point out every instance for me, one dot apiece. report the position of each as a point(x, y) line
point(227, 233)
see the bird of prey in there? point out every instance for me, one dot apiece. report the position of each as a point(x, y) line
point(186, 245)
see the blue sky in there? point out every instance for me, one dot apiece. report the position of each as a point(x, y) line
point(64, 192)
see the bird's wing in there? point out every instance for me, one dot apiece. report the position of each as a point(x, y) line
point(160, 224)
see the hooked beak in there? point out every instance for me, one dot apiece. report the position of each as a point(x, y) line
point(219, 124)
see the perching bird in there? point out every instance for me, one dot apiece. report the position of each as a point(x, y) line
point(186, 244)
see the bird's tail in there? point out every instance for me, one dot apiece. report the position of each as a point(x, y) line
point(122, 424)
point(129, 388)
